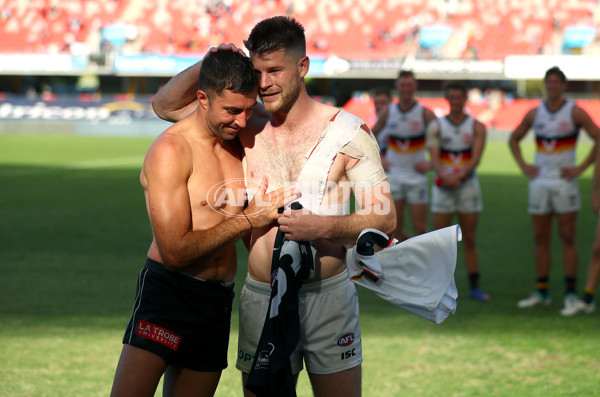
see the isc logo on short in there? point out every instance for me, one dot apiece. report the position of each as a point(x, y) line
point(346, 340)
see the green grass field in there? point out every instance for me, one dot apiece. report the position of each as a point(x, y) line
point(73, 236)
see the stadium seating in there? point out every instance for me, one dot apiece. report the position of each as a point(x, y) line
point(45, 26)
point(371, 29)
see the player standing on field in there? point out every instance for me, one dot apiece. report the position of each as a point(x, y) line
point(282, 140)
point(553, 185)
point(404, 125)
point(456, 143)
point(182, 311)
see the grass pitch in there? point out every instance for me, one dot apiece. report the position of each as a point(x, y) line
point(73, 236)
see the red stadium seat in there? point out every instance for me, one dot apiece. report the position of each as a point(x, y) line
point(375, 29)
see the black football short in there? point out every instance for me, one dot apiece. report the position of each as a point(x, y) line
point(180, 318)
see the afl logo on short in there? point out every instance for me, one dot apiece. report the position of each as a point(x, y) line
point(274, 277)
point(346, 340)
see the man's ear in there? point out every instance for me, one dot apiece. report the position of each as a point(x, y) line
point(202, 99)
point(303, 65)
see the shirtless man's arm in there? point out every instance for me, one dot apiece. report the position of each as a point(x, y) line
point(376, 212)
point(165, 175)
point(177, 99)
point(376, 205)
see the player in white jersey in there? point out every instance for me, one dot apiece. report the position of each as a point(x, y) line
point(456, 143)
point(553, 188)
point(403, 125)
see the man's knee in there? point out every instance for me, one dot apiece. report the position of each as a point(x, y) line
point(567, 234)
point(541, 236)
point(345, 383)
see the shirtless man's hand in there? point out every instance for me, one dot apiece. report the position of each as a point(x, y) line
point(230, 46)
point(262, 210)
point(302, 225)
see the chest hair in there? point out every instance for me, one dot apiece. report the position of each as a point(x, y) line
point(280, 158)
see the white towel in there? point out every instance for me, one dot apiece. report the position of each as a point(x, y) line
point(418, 274)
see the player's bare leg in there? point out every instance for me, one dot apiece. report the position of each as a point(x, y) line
point(566, 230)
point(441, 220)
point(185, 382)
point(340, 384)
point(399, 233)
point(138, 373)
point(594, 268)
point(468, 226)
point(588, 305)
point(542, 230)
point(418, 215)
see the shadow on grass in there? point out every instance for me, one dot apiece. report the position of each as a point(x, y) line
point(73, 241)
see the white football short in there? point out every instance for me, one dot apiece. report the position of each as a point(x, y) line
point(412, 190)
point(330, 339)
point(560, 196)
point(464, 199)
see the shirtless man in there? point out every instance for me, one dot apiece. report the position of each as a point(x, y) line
point(277, 143)
point(553, 186)
point(181, 317)
point(404, 125)
point(456, 143)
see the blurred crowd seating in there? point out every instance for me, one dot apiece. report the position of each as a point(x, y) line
point(351, 29)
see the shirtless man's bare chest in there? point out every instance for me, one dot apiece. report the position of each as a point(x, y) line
point(280, 155)
point(209, 180)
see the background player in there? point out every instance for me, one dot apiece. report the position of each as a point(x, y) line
point(553, 185)
point(403, 125)
point(456, 143)
point(381, 100)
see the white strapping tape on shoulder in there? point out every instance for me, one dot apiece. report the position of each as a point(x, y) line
point(312, 180)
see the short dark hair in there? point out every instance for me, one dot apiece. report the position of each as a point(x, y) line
point(406, 73)
point(277, 33)
point(382, 91)
point(456, 86)
point(225, 69)
point(555, 70)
